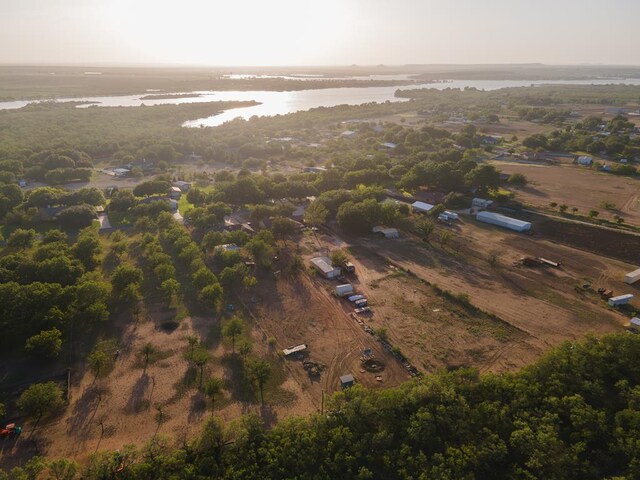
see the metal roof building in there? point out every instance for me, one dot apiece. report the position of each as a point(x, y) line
point(503, 221)
point(323, 265)
point(422, 207)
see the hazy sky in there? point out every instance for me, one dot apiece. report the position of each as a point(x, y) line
point(305, 32)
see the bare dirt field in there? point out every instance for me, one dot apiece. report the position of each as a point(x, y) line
point(599, 240)
point(432, 330)
point(544, 305)
point(578, 187)
point(304, 310)
point(124, 407)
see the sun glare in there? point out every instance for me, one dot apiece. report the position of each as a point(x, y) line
point(245, 32)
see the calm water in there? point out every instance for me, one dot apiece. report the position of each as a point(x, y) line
point(281, 103)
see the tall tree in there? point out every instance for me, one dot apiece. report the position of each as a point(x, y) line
point(213, 388)
point(260, 371)
point(148, 350)
point(315, 215)
point(232, 329)
point(200, 358)
point(40, 399)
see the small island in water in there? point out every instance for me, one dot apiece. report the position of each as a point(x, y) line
point(163, 96)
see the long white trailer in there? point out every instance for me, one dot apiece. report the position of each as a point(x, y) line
point(632, 277)
point(503, 221)
point(620, 300)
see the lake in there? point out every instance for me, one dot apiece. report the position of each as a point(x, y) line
point(281, 103)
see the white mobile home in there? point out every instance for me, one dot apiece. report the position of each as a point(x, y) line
point(447, 216)
point(632, 277)
point(422, 207)
point(620, 300)
point(503, 221)
point(323, 265)
point(481, 203)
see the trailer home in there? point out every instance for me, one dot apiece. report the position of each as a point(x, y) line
point(620, 300)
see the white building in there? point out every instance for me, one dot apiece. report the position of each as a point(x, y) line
point(323, 265)
point(175, 193)
point(422, 207)
point(447, 216)
point(228, 247)
point(387, 232)
point(182, 185)
point(503, 221)
point(632, 277)
point(349, 134)
point(388, 146)
point(584, 160)
point(121, 172)
point(481, 203)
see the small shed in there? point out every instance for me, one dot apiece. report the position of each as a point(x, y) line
point(347, 381)
point(634, 324)
point(422, 207)
point(344, 290)
point(584, 160)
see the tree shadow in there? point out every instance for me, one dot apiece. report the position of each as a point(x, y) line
point(138, 400)
point(533, 191)
point(240, 387)
point(189, 380)
point(84, 411)
point(198, 407)
point(209, 330)
point(269, 415)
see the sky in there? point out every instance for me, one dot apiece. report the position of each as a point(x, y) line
point(319, 32)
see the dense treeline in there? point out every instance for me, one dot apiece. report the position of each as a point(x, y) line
point(573, 414)
point(55, 286)
point(596, 136)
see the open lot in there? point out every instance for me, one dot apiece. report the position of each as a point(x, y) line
point(124, 407)
point(578, 187)
point(542, 306)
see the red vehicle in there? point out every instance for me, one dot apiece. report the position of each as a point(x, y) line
point(10, 431)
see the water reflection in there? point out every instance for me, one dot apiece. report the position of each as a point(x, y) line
point(281, 103)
